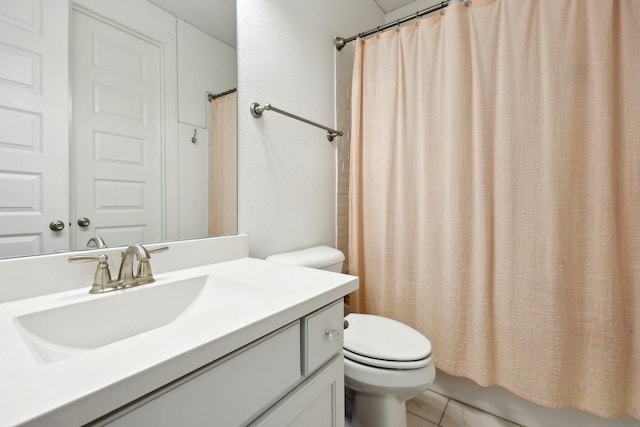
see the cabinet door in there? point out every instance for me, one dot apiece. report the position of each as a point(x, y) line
point(34, 126)
point(318, 402)
point(230, 393)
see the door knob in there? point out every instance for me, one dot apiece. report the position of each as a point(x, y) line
point(84, 222)
point(56, 225)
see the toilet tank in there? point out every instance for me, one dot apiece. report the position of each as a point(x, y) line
point(321, 257)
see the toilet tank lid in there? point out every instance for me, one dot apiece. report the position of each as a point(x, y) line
point(315, 257)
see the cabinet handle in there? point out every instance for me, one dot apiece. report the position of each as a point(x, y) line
point(333, 334)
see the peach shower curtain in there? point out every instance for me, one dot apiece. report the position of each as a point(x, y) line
point(223, 160)
point(495, 194)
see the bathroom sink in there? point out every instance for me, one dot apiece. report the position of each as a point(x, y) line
point(60, 332)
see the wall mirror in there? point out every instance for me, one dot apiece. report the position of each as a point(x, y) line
point(115, 122)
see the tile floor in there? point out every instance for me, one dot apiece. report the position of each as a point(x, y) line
point(431, 409)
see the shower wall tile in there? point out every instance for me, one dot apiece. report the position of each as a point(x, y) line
point(344, 168)
point(343, 152)
point(343, 177)
point(343, 187)
point(343, 244)
point(344, 70)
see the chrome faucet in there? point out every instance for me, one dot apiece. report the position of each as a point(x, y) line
point(126, 265)
point(102, 279)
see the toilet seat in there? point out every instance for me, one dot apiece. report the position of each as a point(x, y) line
point(385, 343)
point(387, 364)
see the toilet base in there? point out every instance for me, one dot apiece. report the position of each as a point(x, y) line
point(378, 410)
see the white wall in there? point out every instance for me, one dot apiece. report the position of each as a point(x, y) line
point(193, 164)
point(205, 64)
point(287, 169)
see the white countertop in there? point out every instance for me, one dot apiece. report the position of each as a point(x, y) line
point(87, 385)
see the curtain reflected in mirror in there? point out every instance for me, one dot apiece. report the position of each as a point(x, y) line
point(223, 166)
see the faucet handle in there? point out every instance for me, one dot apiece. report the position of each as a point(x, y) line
point(158, 249)
point(88, 258)
point(102, 278)
point(144, 274)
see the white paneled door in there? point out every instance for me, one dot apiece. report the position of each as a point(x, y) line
point(34, 126)
point(117, 141)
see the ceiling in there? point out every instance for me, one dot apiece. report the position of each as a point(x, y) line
point(215, 17)
point(389, 5)
point(218, 17)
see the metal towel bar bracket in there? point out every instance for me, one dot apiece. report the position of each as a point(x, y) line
point(257, 110)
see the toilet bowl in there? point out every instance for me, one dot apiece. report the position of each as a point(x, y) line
point(386, 362)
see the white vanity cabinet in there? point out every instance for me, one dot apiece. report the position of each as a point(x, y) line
point(290, 377)
point(319, 400)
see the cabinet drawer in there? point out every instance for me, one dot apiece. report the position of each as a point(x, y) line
point(229, 393)
point(322, 336)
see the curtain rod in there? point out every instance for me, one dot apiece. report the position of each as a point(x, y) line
point(340, 42)
point(257, 110)
point(211, 96)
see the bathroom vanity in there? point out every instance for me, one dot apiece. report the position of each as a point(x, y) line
point(235, 341)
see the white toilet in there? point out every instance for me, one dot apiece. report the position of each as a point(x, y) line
point(386, 362)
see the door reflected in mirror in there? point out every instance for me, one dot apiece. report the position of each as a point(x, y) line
point(148, 156)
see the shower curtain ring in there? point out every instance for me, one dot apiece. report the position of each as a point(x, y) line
point(398, 26)
point(417, 18)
